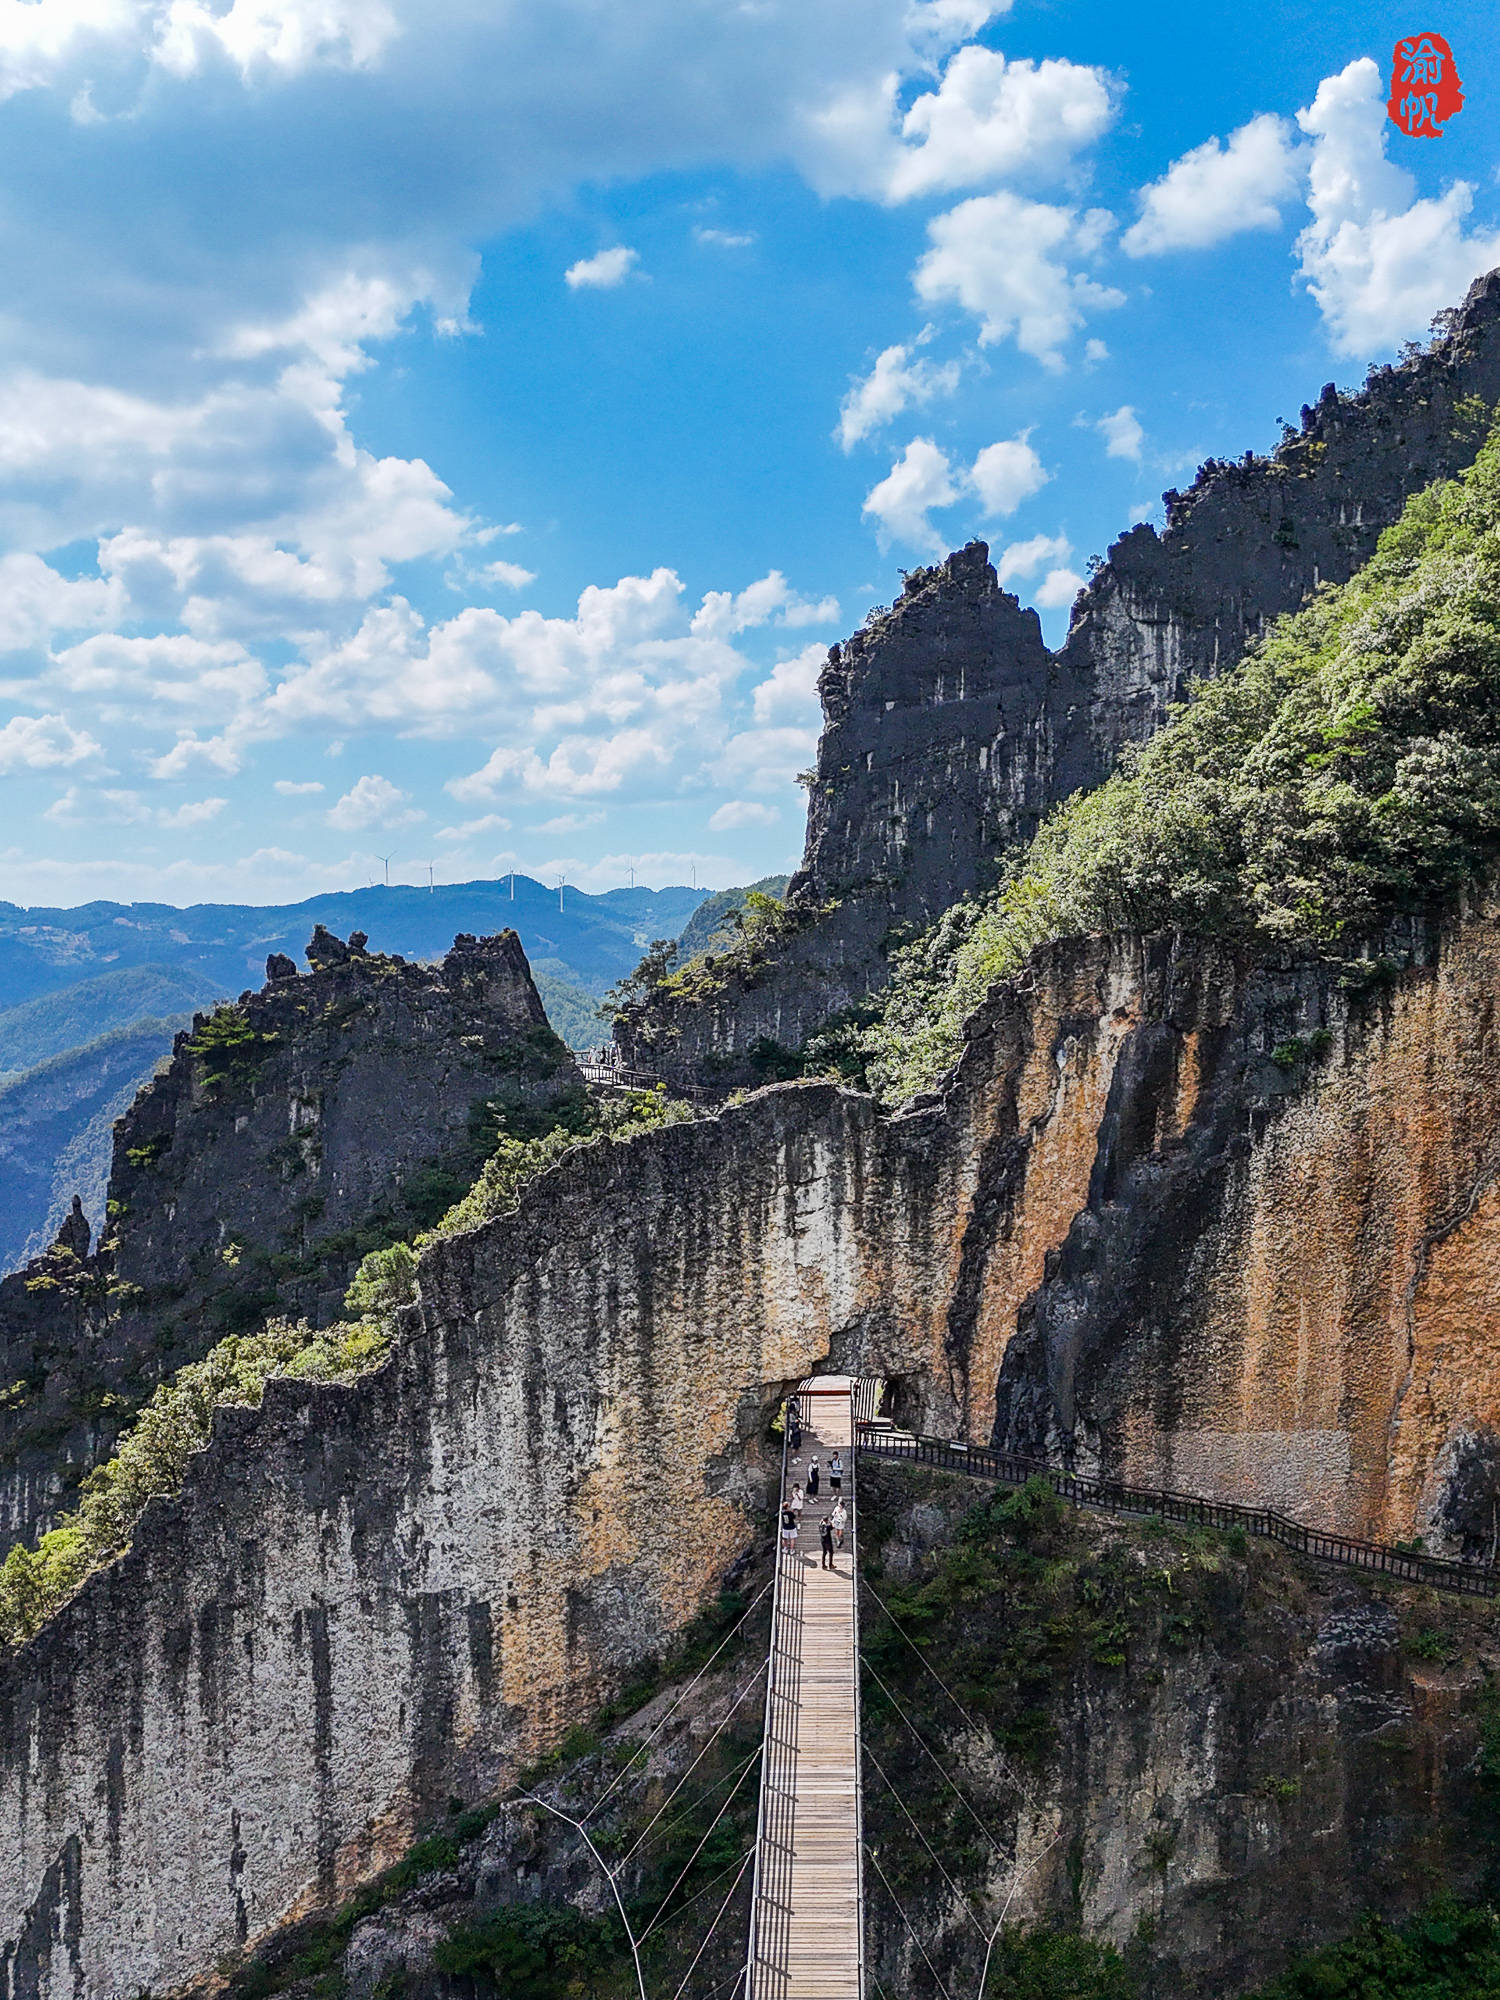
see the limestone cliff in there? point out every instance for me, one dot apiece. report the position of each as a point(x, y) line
point(1199, 1219)
point(288, 1135)
point(1203, 1755)
point(949, 729)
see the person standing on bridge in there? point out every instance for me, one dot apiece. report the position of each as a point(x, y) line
point(788, 1530)
point(826, 1537)
point(836, 1474)
point(812, 1480)
point(797, 1503)
point(838, 1520)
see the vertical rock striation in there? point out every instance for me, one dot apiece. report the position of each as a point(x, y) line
point(1153, 1223)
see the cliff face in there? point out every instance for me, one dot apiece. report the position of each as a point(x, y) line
point(949, 729)
point(1209, 1757)
point(319, 1118)
point(1126, 1231)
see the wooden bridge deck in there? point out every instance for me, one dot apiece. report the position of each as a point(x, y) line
point(808, 1922)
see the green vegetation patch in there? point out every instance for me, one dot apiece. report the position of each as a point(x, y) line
point(1345, 773)
point(228, 1049)
point(152, 1457)
point(753, 934)
point(1451, 1952)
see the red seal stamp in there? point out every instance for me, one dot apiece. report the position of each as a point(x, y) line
point(1426, 90)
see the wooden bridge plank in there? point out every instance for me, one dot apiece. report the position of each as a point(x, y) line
point(816, 1948)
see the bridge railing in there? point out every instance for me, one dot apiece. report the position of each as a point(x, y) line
point(626, 1078)
point(771, 1885)
point(985, 1462)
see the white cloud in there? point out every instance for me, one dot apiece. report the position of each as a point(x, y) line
point(286, 35)
point(920, 481)
point(1378, 261)
point(1216, 190)
point(1022, 559)
point(990, 119)
point(42, 743)
point(664, 870)
point(924, 479)
point(510, 574)
point(267, 874)
point(178, 367)
point(568, 823)
point(1122, 433)
point(603, 272)
point(790, 694)
point(170, 670)
point(470, 829)
point(372, 801)
point(190, 748)
point(765, 759)
point(1058, 589)
point(196, 812)
point(1095, 351)
point(120, 806)
point(724, 239)
point(741, 812)
point(1000, 257)
point(36, 603)
point(892, 385)
point(771, 600)
point(1005, 474)
point(289, 788)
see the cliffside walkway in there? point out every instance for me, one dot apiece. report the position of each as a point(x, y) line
point(983, 1462)
point(807, 1906)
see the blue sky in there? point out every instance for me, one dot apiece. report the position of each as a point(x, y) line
point(457, 432)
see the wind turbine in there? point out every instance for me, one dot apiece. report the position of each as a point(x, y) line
point(386, 858)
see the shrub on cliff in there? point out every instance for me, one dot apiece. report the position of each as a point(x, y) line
point(515, 1162)
point(153, 1455)
point(1346, 772)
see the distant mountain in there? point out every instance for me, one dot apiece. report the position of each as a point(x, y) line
point(56, 1127)
point(571, 1008)
point(55, 1022)
point(597, 938)
point(90, 999)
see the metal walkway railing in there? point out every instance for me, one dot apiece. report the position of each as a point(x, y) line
point(984, 1462)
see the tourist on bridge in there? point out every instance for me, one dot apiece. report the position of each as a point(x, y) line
point(826, 1537)
point(788, 1530)
point(794, 1423)
point(797, 1503)
point(812, 1480)
point(838, 1520)
point(836, 1473)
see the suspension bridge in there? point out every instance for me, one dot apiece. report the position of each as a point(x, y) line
point(807, 1895)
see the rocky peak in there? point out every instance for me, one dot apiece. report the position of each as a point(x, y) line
point(327, 1114)
point(950, 729)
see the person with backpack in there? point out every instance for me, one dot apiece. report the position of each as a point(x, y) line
point(836, 1473)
